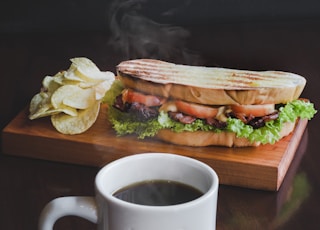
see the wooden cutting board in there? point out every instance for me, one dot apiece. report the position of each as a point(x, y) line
point(261, 167)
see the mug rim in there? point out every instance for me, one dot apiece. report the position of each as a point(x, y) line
point(109, 196)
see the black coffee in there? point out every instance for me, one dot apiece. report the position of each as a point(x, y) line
point(158, 193)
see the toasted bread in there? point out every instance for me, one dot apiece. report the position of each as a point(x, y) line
point(210, 85)
point(203, 138)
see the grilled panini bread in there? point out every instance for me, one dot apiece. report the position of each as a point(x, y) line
point(210, 85)
point(202, 106)
point(203, 138)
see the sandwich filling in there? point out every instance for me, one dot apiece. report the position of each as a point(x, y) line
point(133, 112)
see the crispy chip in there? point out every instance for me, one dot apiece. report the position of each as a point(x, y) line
point(104, 86)
point(84, 70)
point(74, 125)
point(40, 106)
point(49, 84)
point(61, 80)
point(40, 103)
point(73, 96)
point(44, 112)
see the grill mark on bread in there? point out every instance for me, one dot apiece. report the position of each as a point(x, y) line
point(207, 77)
point(289, 88)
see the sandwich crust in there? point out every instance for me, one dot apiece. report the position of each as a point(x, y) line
point(202, 138)
point(210, 85)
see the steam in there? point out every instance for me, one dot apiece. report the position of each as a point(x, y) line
point(134, 35)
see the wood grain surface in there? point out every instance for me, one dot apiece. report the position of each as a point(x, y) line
point(261, 167)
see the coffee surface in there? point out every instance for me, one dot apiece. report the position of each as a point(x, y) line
point(158, 193)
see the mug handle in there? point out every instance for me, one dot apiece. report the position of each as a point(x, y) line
point(81, 206)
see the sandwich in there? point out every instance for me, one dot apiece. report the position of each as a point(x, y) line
point(203, 106)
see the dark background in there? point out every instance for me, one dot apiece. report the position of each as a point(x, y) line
point(92, 15)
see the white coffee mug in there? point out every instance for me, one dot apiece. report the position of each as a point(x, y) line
point(111, 213)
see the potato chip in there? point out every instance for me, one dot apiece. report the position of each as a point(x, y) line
point(73, 96)
point(60, 79)
point(66, 109)
point(74, 125)
point(84, 70)
point(39, 104)
point(102, 88)
point(42, 99)
point(49, 84)
point(72, 75)
point(44, 112)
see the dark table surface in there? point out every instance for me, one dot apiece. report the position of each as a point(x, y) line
point(26, 185)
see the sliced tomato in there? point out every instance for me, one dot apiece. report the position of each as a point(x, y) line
point(196, 110)
point(254, 110)
point(131, 96)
